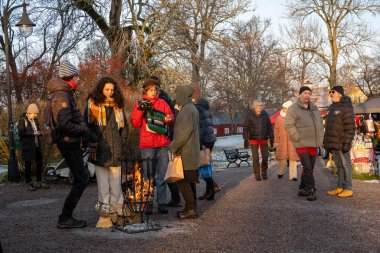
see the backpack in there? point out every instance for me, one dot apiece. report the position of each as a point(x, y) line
point(16, 135)
point(50, 132)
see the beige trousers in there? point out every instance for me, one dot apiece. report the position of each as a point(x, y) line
point(292, 168)
point(109, 187)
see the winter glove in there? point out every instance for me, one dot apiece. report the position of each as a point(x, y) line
point(93, 151)
point(144, 105)
point(246, 143)
point(346, 148)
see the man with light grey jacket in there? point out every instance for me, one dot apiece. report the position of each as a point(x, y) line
point(303, 122)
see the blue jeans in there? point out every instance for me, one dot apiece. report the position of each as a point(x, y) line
point(159, 166)
point(343, 164)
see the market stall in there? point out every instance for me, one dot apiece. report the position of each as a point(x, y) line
point(365, 152)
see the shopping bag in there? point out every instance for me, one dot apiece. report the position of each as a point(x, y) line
point(174, 172)
point(204, 157)
point(205, 171)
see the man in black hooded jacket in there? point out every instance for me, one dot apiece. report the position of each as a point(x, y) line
point(339, 133)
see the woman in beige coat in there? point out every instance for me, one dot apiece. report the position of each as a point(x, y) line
point(284, 147)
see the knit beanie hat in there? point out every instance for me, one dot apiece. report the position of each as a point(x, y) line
point(287, 104)
point(32, 108)
point(339, 89)
point(303, 88)
point(67, 69)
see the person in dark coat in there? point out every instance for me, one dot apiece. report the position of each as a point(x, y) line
point(186, 144)
point(71, 129)
point(207, 138)
point(30, 136)
point(257, 129)
point(174, 191)
point(108, 135)
point(339, 133)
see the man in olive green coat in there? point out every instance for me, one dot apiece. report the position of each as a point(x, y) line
point(186, 144)
point(303, 122)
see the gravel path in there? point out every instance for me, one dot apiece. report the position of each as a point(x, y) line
point(246, 216)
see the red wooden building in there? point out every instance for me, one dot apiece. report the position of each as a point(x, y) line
point(223, 125)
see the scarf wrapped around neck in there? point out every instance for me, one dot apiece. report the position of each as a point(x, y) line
point(97, 113)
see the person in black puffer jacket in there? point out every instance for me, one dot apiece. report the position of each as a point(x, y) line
point(71, 129)
point(339, 133)
point(257, 129)
point(207, 138)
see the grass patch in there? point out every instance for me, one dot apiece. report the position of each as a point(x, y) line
point(4, 177)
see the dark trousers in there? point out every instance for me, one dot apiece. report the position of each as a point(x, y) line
point(38, 163)
point(174, 192)
point(256, 162)
point(307, 177)
point(74, 160)
point(189, 194)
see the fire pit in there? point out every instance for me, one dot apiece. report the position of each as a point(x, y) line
point(138, 191)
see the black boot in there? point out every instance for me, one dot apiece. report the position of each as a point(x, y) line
point(312, 195)
point(215, 187)
point(207, 193)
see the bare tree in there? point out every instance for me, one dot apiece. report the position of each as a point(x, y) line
point(199, 23)
point(341, 20)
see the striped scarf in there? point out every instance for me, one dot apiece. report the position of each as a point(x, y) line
point(97, 113)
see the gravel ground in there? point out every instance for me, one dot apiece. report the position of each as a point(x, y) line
point(246, 216)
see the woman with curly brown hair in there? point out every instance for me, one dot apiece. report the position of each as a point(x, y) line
point(108, 134)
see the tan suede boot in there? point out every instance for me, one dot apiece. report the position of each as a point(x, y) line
point(104, 222)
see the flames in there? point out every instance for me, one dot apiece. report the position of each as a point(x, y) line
point(139, 189)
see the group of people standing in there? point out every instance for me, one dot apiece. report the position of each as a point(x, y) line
point(298, 133)
point(103, 129)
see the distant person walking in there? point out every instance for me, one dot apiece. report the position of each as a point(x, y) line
point(207, 138)
point(303, 122)
point(30, 138)
point(284, 147)
point(257, 129)
point(71, 129)
point(339, 133)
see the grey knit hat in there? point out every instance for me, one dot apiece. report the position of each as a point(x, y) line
point(67, 69)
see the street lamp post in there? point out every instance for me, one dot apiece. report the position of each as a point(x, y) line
point(26, 28)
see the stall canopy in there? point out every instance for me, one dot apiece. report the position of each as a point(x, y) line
point(372, 105)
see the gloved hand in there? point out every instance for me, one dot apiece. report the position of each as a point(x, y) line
point(346, 147)
point(93, 151)
point(246, 143)
point(144, 105)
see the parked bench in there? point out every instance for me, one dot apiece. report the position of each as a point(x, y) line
point(234, 156)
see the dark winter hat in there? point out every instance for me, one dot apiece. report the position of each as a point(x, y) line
point(67, 69)
point(303, 88)
point(339, 89)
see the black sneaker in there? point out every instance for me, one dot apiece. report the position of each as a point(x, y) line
point(312, 195)
point(265, 178)
point(280, 176)
point(303, 193)
point(31, 187)
point(71, 223)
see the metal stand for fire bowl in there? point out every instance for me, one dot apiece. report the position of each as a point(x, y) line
point(138, 192)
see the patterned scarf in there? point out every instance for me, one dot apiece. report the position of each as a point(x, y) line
point(97, 113)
